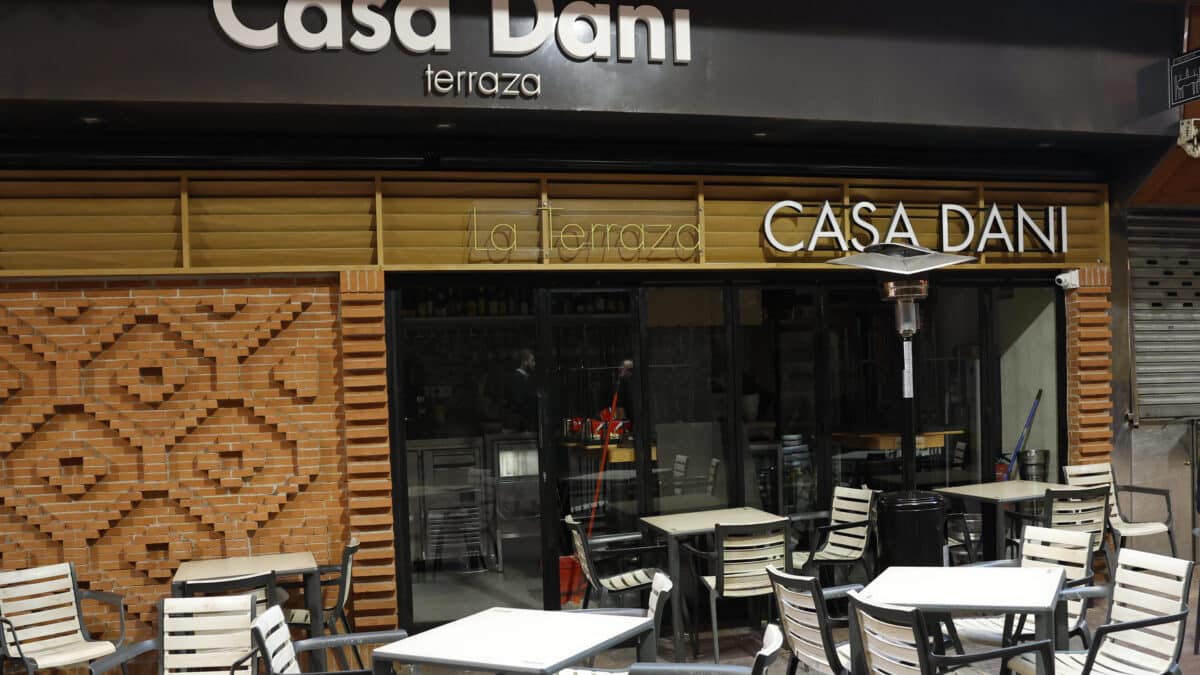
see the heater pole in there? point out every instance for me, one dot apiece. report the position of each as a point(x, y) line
point(908, 441)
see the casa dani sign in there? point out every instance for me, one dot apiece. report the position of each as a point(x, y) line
point(1014, 231)
point(583, 31)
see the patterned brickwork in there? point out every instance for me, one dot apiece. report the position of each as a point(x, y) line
point(368, 468)
point(145, 423)
point(1089, 367)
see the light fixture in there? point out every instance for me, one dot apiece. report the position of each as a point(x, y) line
point(445, 126)
point(759, 135)
point(91, 120)
point(901, 263)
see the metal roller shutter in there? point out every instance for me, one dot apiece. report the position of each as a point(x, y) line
point(1164, 259)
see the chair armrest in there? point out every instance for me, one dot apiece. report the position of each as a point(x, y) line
point(608, 539)
point(686, 669)
point(836, 592)
point(122, 656)
point(1085, 592)
point(12, 633)
point(1161, 492)
point(809, 515)
point(1109, 628)
point(994, 563)
point(108, 599)
point(329, 569)
point(843, 526)
point(349, 640)
point(707, 555)
point(238, 664)
point(1045, 647)
point(613, 552)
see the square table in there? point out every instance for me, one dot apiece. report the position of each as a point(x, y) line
point(281, 564)
point(677, 526)
point(997, 495)
point(504, 640)
point(976, 590)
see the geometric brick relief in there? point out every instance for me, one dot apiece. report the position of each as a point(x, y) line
point(298, 374)
point(153, 379)
point(73, 467)
point(10, 380)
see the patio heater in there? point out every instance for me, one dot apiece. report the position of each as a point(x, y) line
point(901, 264)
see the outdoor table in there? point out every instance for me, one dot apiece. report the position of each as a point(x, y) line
point(281, 564)
point(504, 640)
point(681, 525)
point(970, 590)
point(997, 495)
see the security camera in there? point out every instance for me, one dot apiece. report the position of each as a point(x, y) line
point(1068, 280)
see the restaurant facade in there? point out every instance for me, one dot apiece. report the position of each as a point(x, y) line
point(436, 275)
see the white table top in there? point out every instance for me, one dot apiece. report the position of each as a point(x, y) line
point(222, 568)
point(968, 589)
point(1004, 491)
point(699, 522)
point(516, 640)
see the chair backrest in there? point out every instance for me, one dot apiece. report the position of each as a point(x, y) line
point(1146, 585)
point(894, 639)
point(582, 552)
point(772, 643)
point(261, 586)
point(1094, 475)
point(679, 473)
point(714, 467)
point(347, 572)
point(850, 505)
point(805, 622)
point(1081, 510)
point(200, 636)
point(1068, 549)
point(274, 642)
point(745, 551)
point(660, 592)
point(42, 605)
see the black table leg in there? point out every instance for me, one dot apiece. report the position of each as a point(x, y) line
point(316, 622)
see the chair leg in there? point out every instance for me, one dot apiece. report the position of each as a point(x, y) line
point(587, 594)
point(1196, 640)
point(712, 606)
point(350, 629)
point(792, 663)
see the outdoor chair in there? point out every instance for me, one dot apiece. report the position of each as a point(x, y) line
point(807, 626)
point(342, 576)
point(772, 643)
point(896, 640)
point(679, 474)
point(273, 642)
point(1147, 615)
point(635, 580)
point(261, 586)
point(660, 593)
point(847, 536)
point(1040, 547)
point(1091, 475)
point(200, 636)
point(739, 566)
point(1081, 510)
point(42, 619)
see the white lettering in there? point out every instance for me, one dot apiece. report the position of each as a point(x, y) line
point(330, 36)
point(534, 88)
point(380, 30)
point(250, 38)
point(1046, 237)
point(683, 36)
point(1062, 225)
point(599, 47)
point(994, 222)
point(438, 39)
point(493, 86)
point(900, 217)
point(504, 42)
point(827, 227)
point(656, 30)
point(864, 223)
point(769, 226)
point(967, 219)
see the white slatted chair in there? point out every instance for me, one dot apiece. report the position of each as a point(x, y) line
point(635, 580)
point(1091, 475)
point(772, 644)
point(807, 626)
point(273, 642)
point(196, 636)
point(42, 620)
point(848, 533)
point(895, 641)
point(1040, 547)
point(1147, 614)
point(660, 593)
point(740, 565)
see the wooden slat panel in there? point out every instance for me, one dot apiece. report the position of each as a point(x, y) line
point(13, 243)
point(292, 222)
point(88, 207)
point(76, 224)
point(463, 189)
point(47, 189)
point(280, 205)
point(237, 241)
point(251, 258)
point(282, 188)
point(90, 260)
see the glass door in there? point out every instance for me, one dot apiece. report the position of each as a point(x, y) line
point(470, 388)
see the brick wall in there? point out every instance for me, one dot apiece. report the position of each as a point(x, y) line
point(148, 422)
point(1089, 367)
